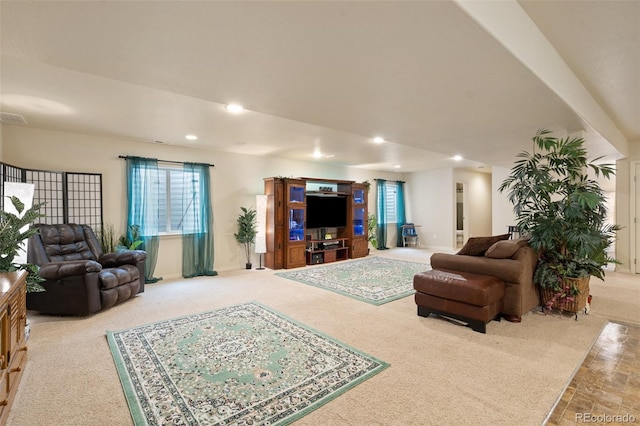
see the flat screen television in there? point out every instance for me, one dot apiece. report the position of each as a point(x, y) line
point(326, 211)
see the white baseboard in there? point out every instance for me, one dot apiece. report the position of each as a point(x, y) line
point(443, 249)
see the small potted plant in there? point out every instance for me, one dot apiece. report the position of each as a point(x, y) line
point(12, 236)
point(131, 240)
point(562, 210)
point(247, 230)
point(371, 226)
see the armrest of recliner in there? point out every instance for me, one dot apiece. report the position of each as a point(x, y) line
point(61, 270)
point(124, 257)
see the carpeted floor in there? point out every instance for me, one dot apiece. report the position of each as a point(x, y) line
point(440, 373)
point(244, 364)
point(374, 279)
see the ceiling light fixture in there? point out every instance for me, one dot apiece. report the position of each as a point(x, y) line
point(457, 157)
point(234, 108)
point(378, 139)
point(191, 137)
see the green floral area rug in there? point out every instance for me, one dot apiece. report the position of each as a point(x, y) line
point(374, 280)
point(241, 365)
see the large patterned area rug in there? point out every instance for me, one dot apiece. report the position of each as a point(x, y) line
point(374, 280)
point(241, 365)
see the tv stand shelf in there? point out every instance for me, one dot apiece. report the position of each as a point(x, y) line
point(327, 251)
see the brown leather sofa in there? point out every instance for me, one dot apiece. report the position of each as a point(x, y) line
point(513, 261)
point(80, 279)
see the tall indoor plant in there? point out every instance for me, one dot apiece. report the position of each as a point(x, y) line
point(12, 236)
point(562, 210)
point(247, 230)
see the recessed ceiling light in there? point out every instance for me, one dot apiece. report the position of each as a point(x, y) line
point(317, 153)
point(378, 139)
point(191, 137)
point(457, 157)
point(234, 108)
point(396, 166)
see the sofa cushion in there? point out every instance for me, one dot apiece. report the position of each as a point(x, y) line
point(477, 246)
point(505, 249)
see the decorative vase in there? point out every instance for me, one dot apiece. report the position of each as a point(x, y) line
point(579, 301)
point(247, 265)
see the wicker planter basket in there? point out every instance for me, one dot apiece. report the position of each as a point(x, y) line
point(579, 302)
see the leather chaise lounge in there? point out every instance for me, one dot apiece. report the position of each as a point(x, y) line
point(512, 261)
point(79, 278)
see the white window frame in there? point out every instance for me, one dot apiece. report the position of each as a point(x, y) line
point(391, 202)
point(165, 172)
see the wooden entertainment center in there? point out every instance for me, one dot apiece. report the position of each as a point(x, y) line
point(291, 244)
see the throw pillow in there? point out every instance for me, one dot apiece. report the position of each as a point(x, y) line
point(505, 249)
point(477, 246)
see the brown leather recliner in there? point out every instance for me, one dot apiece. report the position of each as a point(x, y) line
point(80, 279)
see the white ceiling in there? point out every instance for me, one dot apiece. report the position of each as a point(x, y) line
point(427, 76)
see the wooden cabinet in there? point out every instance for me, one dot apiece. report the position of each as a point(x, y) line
point(295, 216)
point(274, 190)
point(359, 214)
point(285, 223)
point(287, 235)
point(13, 319)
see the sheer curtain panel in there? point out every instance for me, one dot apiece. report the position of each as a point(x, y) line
point(197, 223)
point(381, 211)
point(143, 194)
point(401, 216)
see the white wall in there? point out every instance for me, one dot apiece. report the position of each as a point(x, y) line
point(478, 201)
point(1, 139)
point(235, 180)
point(432, 195)
point(502, 209)
point(433, 205)
point(624, 215)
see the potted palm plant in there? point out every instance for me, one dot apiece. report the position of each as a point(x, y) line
point(562, 210)
point(247, 230)
point(13, 234)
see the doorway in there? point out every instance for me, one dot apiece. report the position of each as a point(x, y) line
point(634, 219)
point(461, 220)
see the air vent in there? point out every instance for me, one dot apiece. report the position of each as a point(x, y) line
point(8, 118)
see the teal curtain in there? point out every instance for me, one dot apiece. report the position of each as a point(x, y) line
point(401, 217)
point(197, 222)
point(381, 212)
point(143, 195)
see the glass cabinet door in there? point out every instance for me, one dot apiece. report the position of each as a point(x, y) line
point(358, 196)
point(296, 224)
point(359, 221)
point(296, 194)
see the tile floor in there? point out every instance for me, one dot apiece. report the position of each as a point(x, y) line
point(606, 387)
